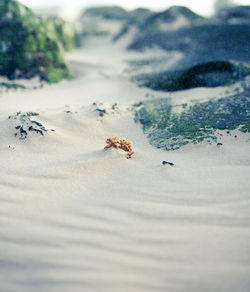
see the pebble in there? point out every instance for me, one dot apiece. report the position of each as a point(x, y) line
point(166, 162)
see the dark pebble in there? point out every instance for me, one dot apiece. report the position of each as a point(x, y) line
point(169, 163)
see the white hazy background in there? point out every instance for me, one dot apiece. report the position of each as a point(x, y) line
point(203, 7)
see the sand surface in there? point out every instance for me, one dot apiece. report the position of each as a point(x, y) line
point(75, 218)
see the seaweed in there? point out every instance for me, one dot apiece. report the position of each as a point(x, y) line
point(169, 130)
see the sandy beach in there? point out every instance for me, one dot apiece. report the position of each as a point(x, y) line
point(75, 217)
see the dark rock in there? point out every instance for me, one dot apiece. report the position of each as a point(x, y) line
point(209, 74)
point(108, 12)
point(201, 43)
point(167, 163)
point(136, 18)
point(102, 112)
point(170, 16)
point(209, 56)
point(147, 21)
point(234, 14)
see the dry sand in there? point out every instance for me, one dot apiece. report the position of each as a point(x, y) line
point(75, 218)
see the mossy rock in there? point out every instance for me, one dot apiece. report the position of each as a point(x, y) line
point(64, 33)
point(211, 74)
point(169, 130)
point(26, 50)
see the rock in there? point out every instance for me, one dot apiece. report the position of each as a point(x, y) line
point(172, 18)
point(136, 19)
point(169, 130)
point(101, 112)
point(65, 33)
point(198, 44)
point(197, 54)
point(147, 21)
point(108, 12)
point(167, 163)
point(26, 50)
point(234, 14)
point(211, 74)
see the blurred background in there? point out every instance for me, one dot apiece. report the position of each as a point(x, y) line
point(205, 8)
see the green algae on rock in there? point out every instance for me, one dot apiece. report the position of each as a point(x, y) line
point(26, 50)
point(63, 32)
point(169, 130)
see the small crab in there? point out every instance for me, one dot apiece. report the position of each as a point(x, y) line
point(118, 143)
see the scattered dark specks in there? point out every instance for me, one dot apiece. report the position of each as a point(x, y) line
point(219, 144)
point(11, 148)
point(167, 163)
